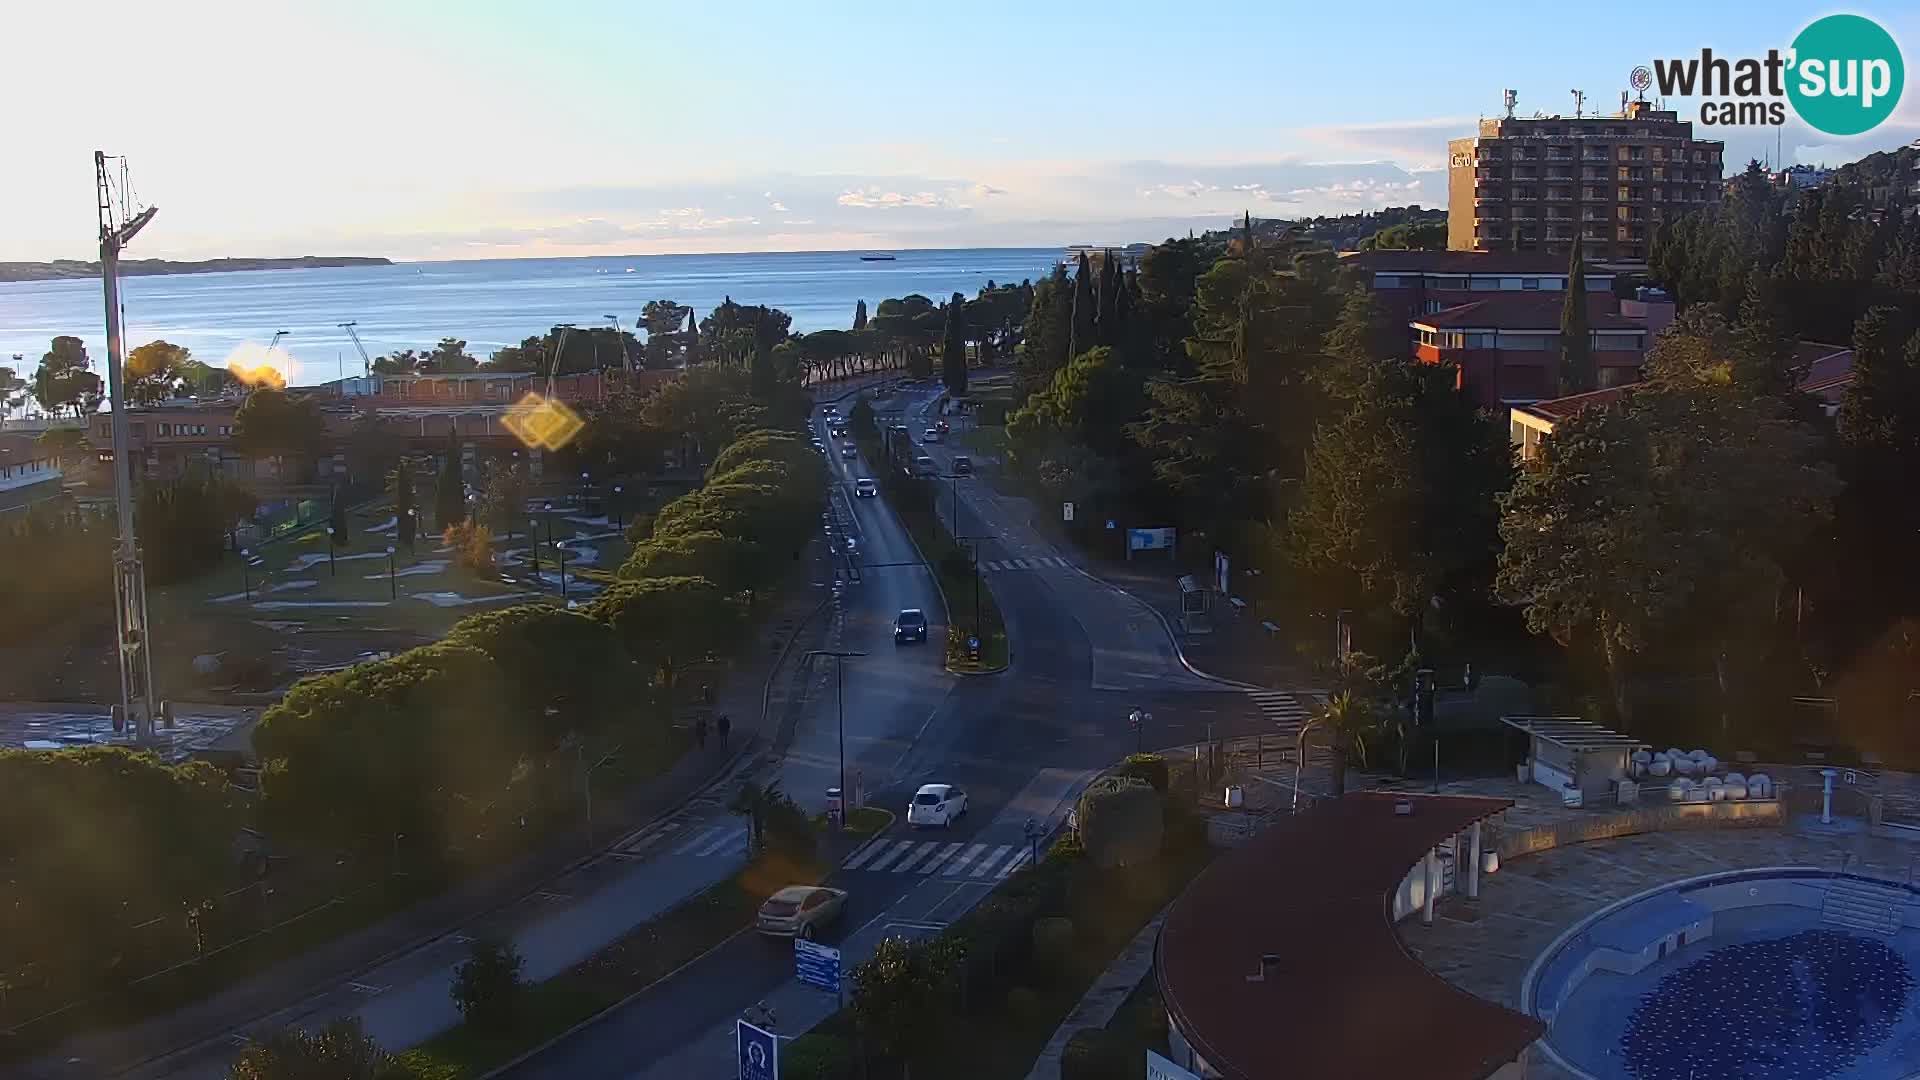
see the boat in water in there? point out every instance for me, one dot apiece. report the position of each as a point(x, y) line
point(876, 258)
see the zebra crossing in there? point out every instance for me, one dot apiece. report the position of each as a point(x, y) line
point(929, 858)
point(1280, 708)
point(1038, 562)
point(697, 839)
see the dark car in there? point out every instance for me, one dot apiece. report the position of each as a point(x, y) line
point(910, 625)
point(962, 465)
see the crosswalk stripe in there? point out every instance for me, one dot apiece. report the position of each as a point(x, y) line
point(920, 851)
point(959, 865)
point(993, 565)
point(981, 868)
point(727, 839)
point(900, 847)
point(698, 839)
point(946, 852)
point(1019, 860)
point(857, 858)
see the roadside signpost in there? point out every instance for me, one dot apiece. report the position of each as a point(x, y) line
point(1159, 1068)
point(758, 1051)
point(816, 965)
point(1066, 511)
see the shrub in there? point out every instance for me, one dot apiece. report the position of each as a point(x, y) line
point(487, 987)
point(472, 545)
point(1120, 822)
point(1091, 1054)
point(1151, 768)
point(1052, 941)
point(640, 529)
point(1023, 1004)
point(817, 1057)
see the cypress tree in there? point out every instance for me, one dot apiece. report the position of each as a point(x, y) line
point(449, 494)
point(1577, 375)
point(953, 350)
point(860, 315)
point(1082, 337)
point(1109, 298)
point(762, 356)
point(693, 339)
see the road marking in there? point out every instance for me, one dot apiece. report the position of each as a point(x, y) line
point(900, 847)
point(920, 851)
point(959, 866)
point(981, 868)
point(1019, 860)
point(945, 854)
point(853, 861)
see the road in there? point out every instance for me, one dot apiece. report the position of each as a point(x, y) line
point(1021, 743)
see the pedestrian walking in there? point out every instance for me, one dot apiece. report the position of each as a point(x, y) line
point(726, 729)
point(700, 732)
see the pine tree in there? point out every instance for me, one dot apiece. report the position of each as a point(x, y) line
point(1577, 375)
point(763, 377)
point(1082, 336)
point(449, 493)
point(953, 350)
point(860, 315)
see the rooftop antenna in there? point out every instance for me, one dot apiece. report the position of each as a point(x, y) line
point(1623, 103)
point(1509, 98)
point(118, 225)
point(1579, 103)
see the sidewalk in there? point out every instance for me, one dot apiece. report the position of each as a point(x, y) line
point(1103, 999)
point(1239, 647)
point(410, 948)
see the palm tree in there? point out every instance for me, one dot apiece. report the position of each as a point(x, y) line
point(1349, 722)
point(752, 801)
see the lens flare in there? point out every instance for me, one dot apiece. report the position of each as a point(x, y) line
point(542, 423)
point(254, 365)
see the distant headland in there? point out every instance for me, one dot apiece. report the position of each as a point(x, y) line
point(74, 268)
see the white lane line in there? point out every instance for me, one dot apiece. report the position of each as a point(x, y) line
point(699, 839)
point(946, 852)
point(900, 847)
point(920, 851)
point(959, 866)
point(981, 868)
point(1019, 860)
point(728, 837)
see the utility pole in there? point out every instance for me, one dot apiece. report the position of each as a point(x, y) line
point(129, 579)
point(840, 707)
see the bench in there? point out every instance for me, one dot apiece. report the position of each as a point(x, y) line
point(1272, 630)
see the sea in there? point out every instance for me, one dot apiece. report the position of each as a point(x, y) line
point(489, 303)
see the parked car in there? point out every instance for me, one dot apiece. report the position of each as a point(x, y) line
point(865, 488)
point(936, 805)
point(800, 910)
point(910, 625)
point(923, 466)
point(931, 435)
point(962, 465)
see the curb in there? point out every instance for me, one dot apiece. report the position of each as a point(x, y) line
point(1168, 627)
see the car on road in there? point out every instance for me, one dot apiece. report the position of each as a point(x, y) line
point(962, 465)
point(849, 451)
point(942, 425)
point(853, 544)
point(931, 435)
point(910, 625)
point(865, 488)
point(839, 431)
point(800, 911)
point(936, 806)
point(923, 465)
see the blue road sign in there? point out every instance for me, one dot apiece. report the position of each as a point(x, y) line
point(758, 1051)
point(816, 965)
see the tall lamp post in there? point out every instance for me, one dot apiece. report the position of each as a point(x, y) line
point(393, 587)
point(1139, 718)
point(619, 507)
point(840, 709)
point(330, 568)
point(246, 582)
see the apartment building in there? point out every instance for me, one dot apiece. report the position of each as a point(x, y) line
point(1506, 347)
point(1531, 184)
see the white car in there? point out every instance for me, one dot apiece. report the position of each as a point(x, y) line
point(865, 488)
point(931, 435)
point(936, 805)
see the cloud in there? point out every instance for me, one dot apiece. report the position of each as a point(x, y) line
point(873, 198)
point(778, 207)
point(1410, 144)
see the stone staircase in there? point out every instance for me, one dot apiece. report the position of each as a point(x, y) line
point(1854, 904)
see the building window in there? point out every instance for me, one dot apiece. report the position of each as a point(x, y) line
point(162, 429)
point(1526, 342)
point(1386, 281)
point(1530, 283)
point(1484, 284)
point(1480, 339)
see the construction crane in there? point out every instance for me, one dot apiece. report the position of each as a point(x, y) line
point(366, 362)
point(559, 350)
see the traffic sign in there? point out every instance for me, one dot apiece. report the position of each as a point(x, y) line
point(1066, 511)
point(1159, 1068)
point(758, 1051)
point(816, 965)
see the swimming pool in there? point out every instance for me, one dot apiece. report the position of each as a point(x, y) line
point(1790, 973)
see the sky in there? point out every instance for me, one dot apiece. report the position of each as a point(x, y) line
point(420, 129)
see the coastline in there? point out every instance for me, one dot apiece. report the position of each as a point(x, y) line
point(62, 269)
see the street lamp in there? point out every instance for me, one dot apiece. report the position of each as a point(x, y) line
point(393, 589)
point(246, 583)
point(618, 507)
point(586, 485)
point(330, 568)
point(840, 708)
point(413, 526)
point(1139, 718)
point(533, 546)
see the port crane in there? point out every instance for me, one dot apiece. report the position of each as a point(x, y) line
point(366, 362)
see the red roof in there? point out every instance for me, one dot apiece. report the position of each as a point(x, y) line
point(1827, 367)
point(1466, 262)
point(1525, 311)
point(1558, 409)
point(1346, 999)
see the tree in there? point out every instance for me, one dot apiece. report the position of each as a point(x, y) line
point(1087, 403)
point(1577, 374)
point(953, 350)
point(448, 357)
point(65, 380)
point(504, 502)
point(400, 488)
point(487, 986)
point(904, 994)
point(763, 342)
point(1120, 822)
point(1879, 433)
point(450, 489)
point(755, 802)
point(10, 386)
point(342, 1050)
point(1408, 235)
point(668, 623)
point(727, 561)
point(201, 381)
point(1083, 333)
point(155, 372)
point(1049, 328)
point(1349, 722)
point(274, 423)
point(860, 315)
point(183, 522)
point(570, 672)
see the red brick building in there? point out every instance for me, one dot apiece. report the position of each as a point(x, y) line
point(1507, 346)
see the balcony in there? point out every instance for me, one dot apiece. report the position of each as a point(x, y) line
point(1481, 198)
point(1560, 174)
point(1525, 215)
point(1593, 234)
point(1486, 179)
point(1559, 195)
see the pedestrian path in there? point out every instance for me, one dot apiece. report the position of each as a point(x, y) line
point(931, 857)
point(1041, 562)
point(688, 835)
point(1282, 708)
